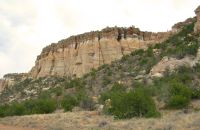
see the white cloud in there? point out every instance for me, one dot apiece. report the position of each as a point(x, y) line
point(26, 26)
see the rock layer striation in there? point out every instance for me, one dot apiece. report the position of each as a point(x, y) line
point(77, 55)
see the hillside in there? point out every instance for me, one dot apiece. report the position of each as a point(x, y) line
point(160, 80)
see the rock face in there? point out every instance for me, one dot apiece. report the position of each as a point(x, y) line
point(2, 84)
point(170, 64)
point(10, 79)
point(77, 55)
point(197, 25)
point(180, 25)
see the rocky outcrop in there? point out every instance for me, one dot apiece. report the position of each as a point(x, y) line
point(170, 64)
point(76, 55)
point(180, 25)
point(10, 79)
point(3, 84)
point(197, 25)
point(15, 76)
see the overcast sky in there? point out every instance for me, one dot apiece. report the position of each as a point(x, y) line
point(26, 26)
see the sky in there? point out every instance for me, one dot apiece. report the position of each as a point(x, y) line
point(26, 26)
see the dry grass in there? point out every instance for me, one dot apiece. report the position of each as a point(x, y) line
point(171, 120)
point(85, 120)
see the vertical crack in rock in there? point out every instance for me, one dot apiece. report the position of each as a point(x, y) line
point(100, 50)
point(52, 65)
point(76, 44)
point(119, 40)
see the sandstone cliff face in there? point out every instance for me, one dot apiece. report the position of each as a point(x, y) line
point(77, 55)
point(197, 25)
point(10, 79)
point(2, 84)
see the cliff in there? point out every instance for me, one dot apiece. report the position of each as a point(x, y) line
point(2, 84)
point(197, 25)
point(77, 55)
point(11, 78)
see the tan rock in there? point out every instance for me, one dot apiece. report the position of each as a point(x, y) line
point(77, 55)
point(197, 25)
point(2, 84)
point(170, 64)
point(180, 25)
point(10, 79)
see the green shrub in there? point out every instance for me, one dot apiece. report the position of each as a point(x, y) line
point(40, 106)
point(139, 52)
point(106, 80)
point(149, 52)
point(125, 58)
point(45, 95)
point(178, 88)
point(93, 73)
point(57, 91)
point(69, 102)
point(195, 94)
point(178, 102)
point(43, 106)
point(108, 94)
point(132, 104)
point(36, 106)
point(87, 104)
point(143, 61)
point(75, 83)
point(104, 66)
point(17, 109)
point(180, 96)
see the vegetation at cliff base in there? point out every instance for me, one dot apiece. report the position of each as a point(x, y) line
point(121, 104)
point(37, 106)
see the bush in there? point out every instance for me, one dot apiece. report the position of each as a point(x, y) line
point(115, 89)
point(87, 104)
point(149, 52)
point(42, 106)
point(132, 104)
point(58, 91)
point(3, 110)
point(139, 52)
point(17, 109)
point(106, 80)
point(177, 88)
point(195, 94)
point(45, 95)
point(37, 106)
point(75, 83)
point(178, 102)
point(69, 102)
point(180, 96)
